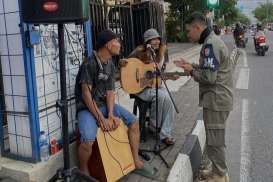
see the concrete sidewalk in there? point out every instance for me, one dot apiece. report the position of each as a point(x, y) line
point(184, 92)
point(173, 48)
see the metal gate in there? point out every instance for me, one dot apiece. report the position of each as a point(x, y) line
point(129, 21)
point(148, 15)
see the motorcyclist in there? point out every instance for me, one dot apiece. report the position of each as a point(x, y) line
point(237, 31)
point(260, 44)
point(216, 29)
point(260, 31)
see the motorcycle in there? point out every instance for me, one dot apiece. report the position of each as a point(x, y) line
point(260, 45)
point(241, 41)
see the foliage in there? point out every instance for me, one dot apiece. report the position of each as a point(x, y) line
point(227, 11)
point(263, 12)
point(226, 14)
point(242, 18)
point(220, 23)
point(179, 9)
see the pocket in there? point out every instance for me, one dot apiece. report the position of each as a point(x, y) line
point(215, 137)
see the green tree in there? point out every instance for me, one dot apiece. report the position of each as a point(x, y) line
point(178, 11)
point(264, 12)
point(226, 13)
point(242, 18)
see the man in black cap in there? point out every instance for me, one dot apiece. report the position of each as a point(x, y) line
point(95, 100)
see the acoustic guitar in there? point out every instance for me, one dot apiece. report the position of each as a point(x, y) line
point(135, 76)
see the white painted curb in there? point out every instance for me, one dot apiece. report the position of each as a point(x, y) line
point(182, 170)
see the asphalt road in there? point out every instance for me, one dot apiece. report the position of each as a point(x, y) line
point(249, 135)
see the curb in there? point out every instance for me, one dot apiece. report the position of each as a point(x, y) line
point(186, 165)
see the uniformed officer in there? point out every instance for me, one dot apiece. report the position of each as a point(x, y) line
point(214, 75)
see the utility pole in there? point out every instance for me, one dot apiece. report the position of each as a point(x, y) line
point(267, 4)
point(211, 5)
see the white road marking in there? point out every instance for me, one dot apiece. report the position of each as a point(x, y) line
point(245, 144)
point(243, 79)
point(245, 58)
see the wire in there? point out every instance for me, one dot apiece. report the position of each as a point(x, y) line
point(93, 102)
point(70, 43)
point(99, 118)
point(81, 27)
point(116, 139)
point(120, 166)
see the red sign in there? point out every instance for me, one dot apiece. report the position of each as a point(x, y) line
point(50, 6)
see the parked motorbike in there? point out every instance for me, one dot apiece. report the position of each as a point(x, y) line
point(241, 41)
point(260, 45)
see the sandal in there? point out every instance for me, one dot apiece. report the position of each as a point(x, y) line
point(168, 141)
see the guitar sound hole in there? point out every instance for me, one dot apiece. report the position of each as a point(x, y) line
point(149, 75)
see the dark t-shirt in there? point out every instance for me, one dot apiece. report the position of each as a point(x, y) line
point(89, 73)
point(237, 31)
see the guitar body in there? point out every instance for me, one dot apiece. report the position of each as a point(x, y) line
point(135, 76)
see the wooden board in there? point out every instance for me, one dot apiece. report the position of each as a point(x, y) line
point(115, 153)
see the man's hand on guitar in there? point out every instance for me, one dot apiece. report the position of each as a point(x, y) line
point(116, 121)
point(106, 124)
point(122, 62)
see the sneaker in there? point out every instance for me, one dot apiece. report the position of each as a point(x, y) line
point(204, 178)
point(205, 170)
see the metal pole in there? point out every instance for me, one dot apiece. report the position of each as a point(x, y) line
point(267, 3)
point(64, 109)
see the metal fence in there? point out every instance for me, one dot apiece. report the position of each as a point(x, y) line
point(147, 15)
point(30, 83)
point(129, 21)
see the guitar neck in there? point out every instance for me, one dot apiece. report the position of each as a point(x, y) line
point(170, 74)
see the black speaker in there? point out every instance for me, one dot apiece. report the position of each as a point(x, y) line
point(54, 11)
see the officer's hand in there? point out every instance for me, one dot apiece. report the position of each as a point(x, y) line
point(180, 63)
point(187, 67)
point(122, 62)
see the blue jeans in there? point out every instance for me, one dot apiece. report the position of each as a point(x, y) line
point(165, 109)
point(88, 124)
